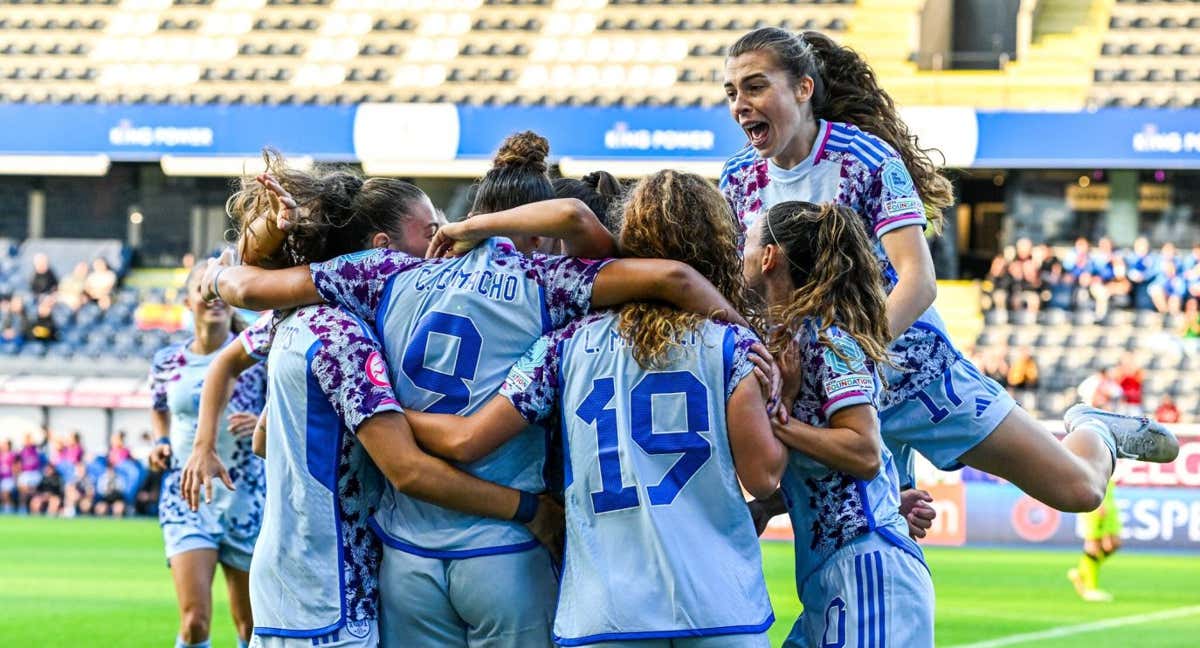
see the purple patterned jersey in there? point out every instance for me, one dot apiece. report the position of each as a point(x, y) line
point(451, 329)
point(856, 169)
point(828, 508)
point(649, 476)
point(176, 379)
point(316, 564)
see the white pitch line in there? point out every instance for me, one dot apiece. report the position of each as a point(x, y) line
point(1066, 631)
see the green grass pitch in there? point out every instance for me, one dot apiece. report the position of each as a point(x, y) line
point(87, 582)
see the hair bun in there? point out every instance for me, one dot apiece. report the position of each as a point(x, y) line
point(526, 149)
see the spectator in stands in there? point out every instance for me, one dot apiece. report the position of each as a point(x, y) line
point(43, 328)
point(995, 364)
point(48, 497)
point(110, 493)
point(1189, 329)
point(1023, 374)
point(1023, 284)
point(1140, 270)
point(29, 461)
point(1079, 258)
point(1168, 289)
point(12, 320)
point(8, 482)
point(71, 290)
point(1100, 390)
point(100, 283)
point(1130, 378)
point(72, 450)
point(80, 493)
point(188, 261)
point(1059, 287)
point(1107, 271)
point(996, 285)
point(118, 452)
point(44, 281)
point(1166, 412)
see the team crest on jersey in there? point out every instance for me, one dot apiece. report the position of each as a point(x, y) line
point(895, 177)
point(377, 370)
point(848, 357)
point(358, 629)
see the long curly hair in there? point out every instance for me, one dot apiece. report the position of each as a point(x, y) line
point(679, 216)
point(845, 90)
point(836, 277)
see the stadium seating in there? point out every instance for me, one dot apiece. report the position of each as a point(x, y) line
point(343, 51)
point(1150, 43)
point(1069, 347)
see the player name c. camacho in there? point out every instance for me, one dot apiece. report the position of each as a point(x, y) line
point(493, 285)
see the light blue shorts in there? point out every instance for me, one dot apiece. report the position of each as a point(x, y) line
point(724, 641)
point(948, 418)
point(186, 530)
point(356, 634)
point(499, 601)
point(869, 593)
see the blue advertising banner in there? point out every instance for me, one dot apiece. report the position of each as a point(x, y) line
point(1113, 138)
point(146, 133)
point(621, 133)
point(1110, 138)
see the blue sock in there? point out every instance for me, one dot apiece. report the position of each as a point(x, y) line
point(179, 643)
point(242, 643)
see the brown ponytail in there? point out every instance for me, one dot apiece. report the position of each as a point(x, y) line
point(835, 274)
point(599, 190)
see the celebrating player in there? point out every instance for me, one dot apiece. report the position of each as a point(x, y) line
point(225, 529)
point(820, 129)
point(861, 579)
point(315, 579)
point(660, 417)
point(452, 328)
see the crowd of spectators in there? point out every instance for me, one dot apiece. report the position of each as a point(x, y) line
point(1120, 389)
point(58, 477)
point(32, 315)
point(1032, 277)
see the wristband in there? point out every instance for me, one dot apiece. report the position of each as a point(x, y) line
point(164, 441)
point(527, 509)
point(216, 284)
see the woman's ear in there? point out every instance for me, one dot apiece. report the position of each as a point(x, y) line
point(380, 240)
point(804, 89)
point(770, 258)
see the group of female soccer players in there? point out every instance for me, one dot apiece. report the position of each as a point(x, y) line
point(434, 401)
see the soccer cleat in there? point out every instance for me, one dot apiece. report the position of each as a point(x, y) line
point(1097, 596)
point(1136, 437)
point(1077, 581)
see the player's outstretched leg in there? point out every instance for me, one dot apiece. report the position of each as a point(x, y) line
point(1070, 475)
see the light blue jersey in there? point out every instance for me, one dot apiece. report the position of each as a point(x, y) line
point(451, 329)
point(230, 522)
point(660, 542)
point(840, 521)
point(316, 565)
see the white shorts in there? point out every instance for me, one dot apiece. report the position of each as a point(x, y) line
point(869, 593)
point(355, 634)
point(8, 485)
point(947, 418)
point(29, 479)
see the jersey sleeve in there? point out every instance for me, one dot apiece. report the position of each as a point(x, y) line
point(891, 200)
point(567, 282)
point(250, 391)
point(533, 384)
point(256, 339)
point(350, 368)
point(842, 376)
point(738, 341)
point(164, 369)
point(357, 281)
